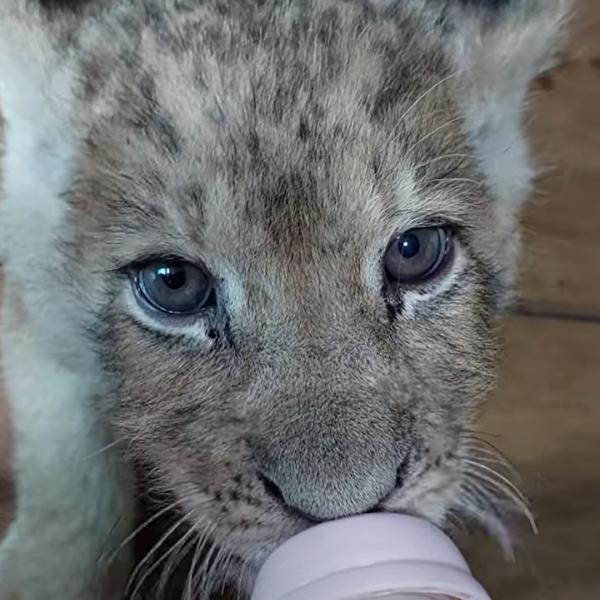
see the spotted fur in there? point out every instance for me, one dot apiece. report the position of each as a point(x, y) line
point(282, 144)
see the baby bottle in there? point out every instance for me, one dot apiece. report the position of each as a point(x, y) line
point(369, 557)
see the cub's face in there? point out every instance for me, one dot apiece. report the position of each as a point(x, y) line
point(288, 234)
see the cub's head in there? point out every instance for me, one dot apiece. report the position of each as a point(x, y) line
point(282, 233)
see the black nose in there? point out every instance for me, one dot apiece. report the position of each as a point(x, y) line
point(271, 488)
point(274, 490)
point(335, 458)
point(298, 505)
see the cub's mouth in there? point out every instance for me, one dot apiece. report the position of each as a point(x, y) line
point(180, 550)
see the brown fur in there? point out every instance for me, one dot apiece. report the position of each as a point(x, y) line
point(283, 144)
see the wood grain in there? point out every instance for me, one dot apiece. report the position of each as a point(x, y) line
point(546, 417)
point(562, 225)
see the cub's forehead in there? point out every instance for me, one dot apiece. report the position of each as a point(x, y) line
point(285, 186)
point(325, 134)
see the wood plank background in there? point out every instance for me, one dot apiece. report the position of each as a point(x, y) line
point(546, 418)
point(562, 225)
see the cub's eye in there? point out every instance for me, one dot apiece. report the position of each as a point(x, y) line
point(417, 255)
point(175, 286)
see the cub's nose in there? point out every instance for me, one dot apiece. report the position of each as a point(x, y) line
point(319, 495)
point(328, 454)
point(306, 507)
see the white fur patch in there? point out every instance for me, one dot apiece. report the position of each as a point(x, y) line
point(495, 60)
point(35, 93)
point(35, 98)
point(70, 509)
point(73, 500)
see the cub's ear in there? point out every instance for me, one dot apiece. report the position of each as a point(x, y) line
point(34, 56)
point(38, 43)
point(35, 98)
point(497, 47)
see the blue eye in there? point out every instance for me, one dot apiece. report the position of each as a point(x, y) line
point(409, 245)
point(175, 287)
point(417, 255)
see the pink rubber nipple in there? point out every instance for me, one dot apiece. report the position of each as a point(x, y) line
point(369, 557)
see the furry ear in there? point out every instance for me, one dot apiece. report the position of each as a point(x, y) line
point(36, 82)
point(497, 47)
point(33, 81)
point(35, 94)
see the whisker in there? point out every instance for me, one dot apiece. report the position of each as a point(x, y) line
point(104, 448)
point(484, 511)
point(495, 473)
point(164, 557)
point(456, 180)
point(172, 564)
point(202, 572)
point(499, 463)
point(196, 571)
point(518, 501)
point(415, 104)
point(188, 587)
point(432, 133)
point(134, 575)
point(110, 555)
point(439, 158)
point(497, 486)
point(477, 437)
point(455, 521)
point(482, 451)
point(489, 494)
point(484, 498)
point(241, 581)
point(213, 568)
point(424, 95)
point(473, 444)
point(226, 569)
point(486, 447)
point(147, 522)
